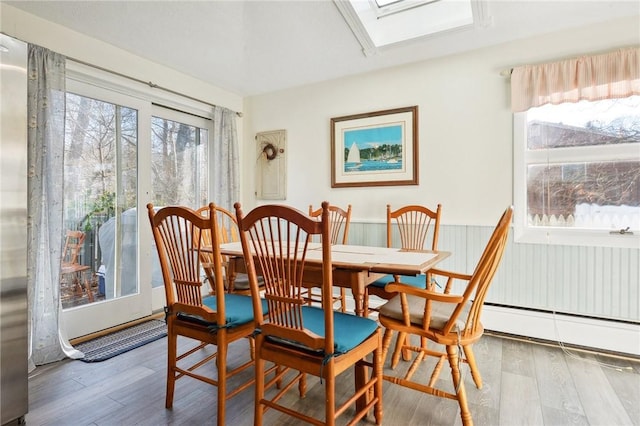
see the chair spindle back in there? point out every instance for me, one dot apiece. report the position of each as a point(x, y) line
point(275, 239)
point(178, 232)
point(414, 224)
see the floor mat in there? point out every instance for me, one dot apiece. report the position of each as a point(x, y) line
point(105, 347)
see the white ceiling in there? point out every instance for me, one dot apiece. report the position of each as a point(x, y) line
point(253, 47)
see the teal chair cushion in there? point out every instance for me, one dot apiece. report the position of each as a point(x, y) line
point(238, 308)
point(349, 330)
point(412, 280)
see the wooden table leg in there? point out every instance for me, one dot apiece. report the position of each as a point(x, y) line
point(231, 273)
point(360, 375)
point(357, 289)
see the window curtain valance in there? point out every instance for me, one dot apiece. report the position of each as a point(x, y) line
point(607, 76)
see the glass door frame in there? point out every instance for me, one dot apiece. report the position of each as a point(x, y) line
point(89, 318)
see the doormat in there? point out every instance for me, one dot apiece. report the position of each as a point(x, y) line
point(116, 343)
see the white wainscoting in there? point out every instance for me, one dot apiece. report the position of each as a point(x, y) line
point(587, 287)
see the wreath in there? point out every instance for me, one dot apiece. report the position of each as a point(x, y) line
point(270, 151)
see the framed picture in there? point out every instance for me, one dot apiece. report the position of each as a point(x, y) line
point(375, 149)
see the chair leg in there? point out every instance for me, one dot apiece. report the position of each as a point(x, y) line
point(221, 362)
point(402, 341)
point(172, 347)
point(252, 348)
point(302, 385)
point(458, 384)
point(471, 360)
point(378, 360)
point(259, 384)
point(365, 303)
point(88, 289)
point(343, 300)
point(386, 342)
point(330, 399)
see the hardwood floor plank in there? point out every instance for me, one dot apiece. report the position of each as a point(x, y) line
point(557, 417)
point(40, 391)
point(488, 354)
point(555, 384)
point(517, 358)
point(520, 401)
point(600, 403)
point(64, 406)
point(625, 380)
point(524, 383)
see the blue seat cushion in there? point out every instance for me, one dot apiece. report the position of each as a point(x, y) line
point(348, 330)
point(238, 309)
point(412, 280)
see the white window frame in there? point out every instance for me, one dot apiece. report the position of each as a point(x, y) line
point(523, 233)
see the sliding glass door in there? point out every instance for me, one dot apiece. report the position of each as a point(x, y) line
point(122, 152)
point(100, 283)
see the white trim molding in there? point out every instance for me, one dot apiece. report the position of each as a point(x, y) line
point(594, 333)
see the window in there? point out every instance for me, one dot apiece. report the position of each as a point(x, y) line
point(577, 173)
point(179, 159)
point(381, 23)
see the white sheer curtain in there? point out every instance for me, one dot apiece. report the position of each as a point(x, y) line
point(608, 76)
point(225, 160)
point(46, 115)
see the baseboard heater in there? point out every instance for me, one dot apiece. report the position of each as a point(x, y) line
point(609, 336)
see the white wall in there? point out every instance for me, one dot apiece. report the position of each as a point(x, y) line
point(32, 29)
point(466, 162)
point(465, 130)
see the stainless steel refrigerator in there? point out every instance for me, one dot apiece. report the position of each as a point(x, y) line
point(14, 399)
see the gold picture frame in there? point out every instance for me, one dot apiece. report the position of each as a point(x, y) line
point(377, 148)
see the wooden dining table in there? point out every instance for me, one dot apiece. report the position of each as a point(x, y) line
point(354, 266)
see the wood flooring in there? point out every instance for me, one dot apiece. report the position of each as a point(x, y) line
point(524, 384)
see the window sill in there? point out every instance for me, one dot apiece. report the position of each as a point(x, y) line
point(576, 237)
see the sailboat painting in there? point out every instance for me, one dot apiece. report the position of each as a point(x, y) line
point(353, 158)
point(373, 149)
point(377, 148)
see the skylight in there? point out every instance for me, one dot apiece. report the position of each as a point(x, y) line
point(388, 7)
point(378, 23)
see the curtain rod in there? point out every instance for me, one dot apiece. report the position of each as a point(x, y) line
point(506, 73)
point(148, 83)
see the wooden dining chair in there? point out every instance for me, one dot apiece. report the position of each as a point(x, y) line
point(228, 232)
point(452, 320)
point(73, 243)
point(71, 270)
point(310, 339)
point(339, 232)
point(415, 225)
point(211, 320)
